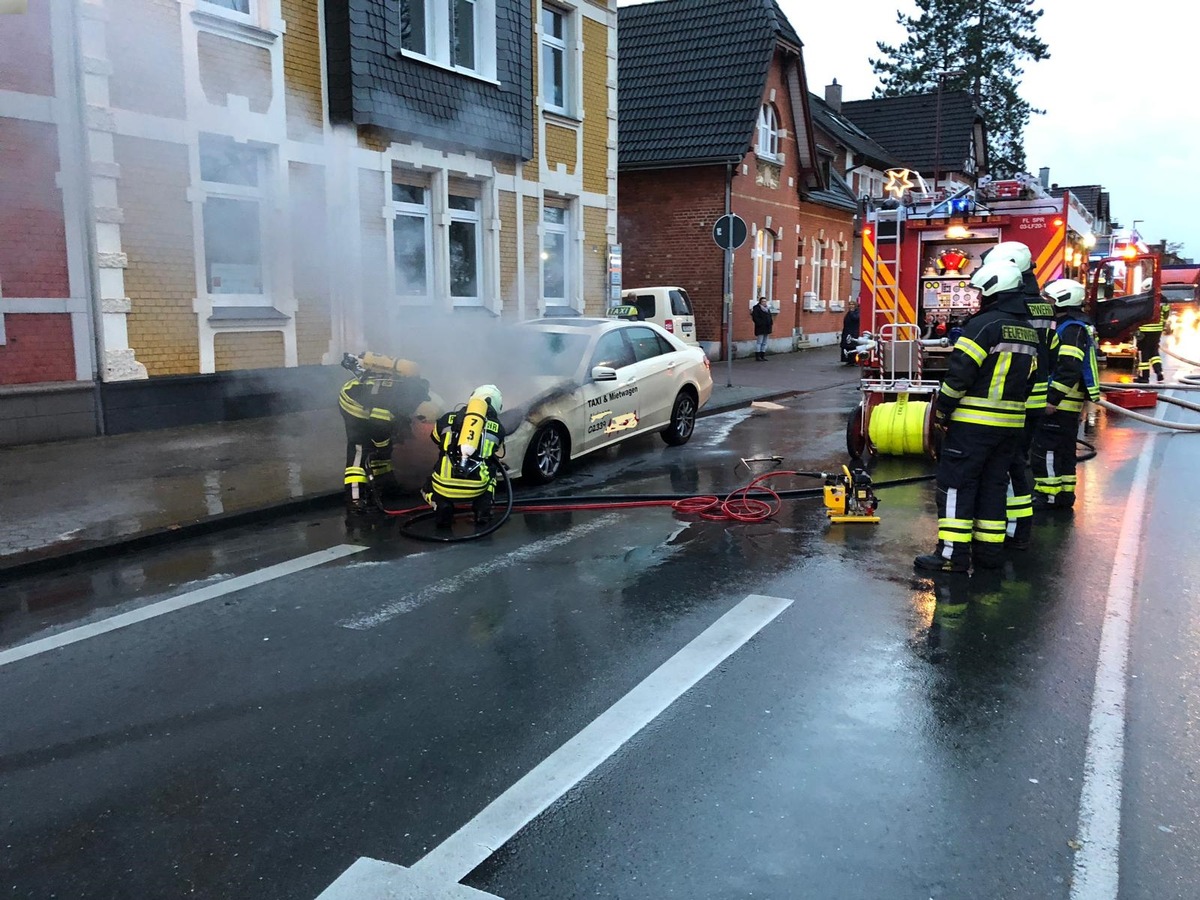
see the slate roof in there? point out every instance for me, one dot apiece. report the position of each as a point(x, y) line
point(835, 124)
point(838, 194)
point(906, 126)
point(690, 76)
point(1093, 197)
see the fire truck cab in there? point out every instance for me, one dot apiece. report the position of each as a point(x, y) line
point(919, 249)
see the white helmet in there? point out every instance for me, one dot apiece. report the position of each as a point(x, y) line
point(1013, 251)
point(1064, 293)
point(995, 277)
point(491, 394)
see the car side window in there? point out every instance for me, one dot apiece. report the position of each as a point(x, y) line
point(681, 304)
point(645, 304)
point(613, 351)
point(646, 344)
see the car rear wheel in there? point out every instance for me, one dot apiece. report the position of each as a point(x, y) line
point(547, 454)
point(683, 420)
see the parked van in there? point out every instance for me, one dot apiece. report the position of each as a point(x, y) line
point(667, 307)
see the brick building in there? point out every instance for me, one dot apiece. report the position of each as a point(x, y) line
point(204, 203)
point(715, 118)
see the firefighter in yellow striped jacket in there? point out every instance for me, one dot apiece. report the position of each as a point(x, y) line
point(981, 406)
point(1075, 379)
point(471, 439)
point(377, 408)
point(1149, 337)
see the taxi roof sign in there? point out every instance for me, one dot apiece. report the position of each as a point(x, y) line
point(624, 312)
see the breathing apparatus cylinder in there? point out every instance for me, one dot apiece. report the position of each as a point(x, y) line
point(389, 365)
point(474, 420)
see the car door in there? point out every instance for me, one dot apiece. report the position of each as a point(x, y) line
point(684, 315)
point(612, 406)
point(656, 372)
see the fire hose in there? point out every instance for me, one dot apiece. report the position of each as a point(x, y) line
point(1187, 382)
point(753, 502)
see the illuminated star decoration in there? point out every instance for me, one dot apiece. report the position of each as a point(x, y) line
point(898, 182)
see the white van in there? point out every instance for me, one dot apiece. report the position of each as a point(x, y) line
point(668, 307)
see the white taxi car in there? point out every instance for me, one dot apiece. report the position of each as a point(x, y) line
point(578, 384)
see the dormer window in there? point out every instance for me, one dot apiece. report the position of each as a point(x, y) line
point(768, 132)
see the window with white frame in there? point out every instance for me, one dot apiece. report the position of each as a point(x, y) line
point(234, 6)
point(465, 242)
point(835, 271)
point(768, 132)
point(412, 235)
point(556, 254)
point(556, 60)
point(818, 262)
point(459, 34)
point(764, 266)
point(233, 178)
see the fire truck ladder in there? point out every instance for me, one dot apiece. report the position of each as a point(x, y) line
point(885, 268)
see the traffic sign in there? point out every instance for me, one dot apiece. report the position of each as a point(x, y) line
point(729, 231)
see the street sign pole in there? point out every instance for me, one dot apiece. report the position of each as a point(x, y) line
point(729, 233)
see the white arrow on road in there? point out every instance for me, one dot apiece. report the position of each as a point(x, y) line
point(437, 875)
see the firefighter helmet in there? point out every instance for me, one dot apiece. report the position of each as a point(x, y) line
point(995, 277)
point(1013, 251)
point(491, 394)
point(1064, 293)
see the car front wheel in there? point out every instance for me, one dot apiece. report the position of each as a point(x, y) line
point(547, 454)
point(683, 420)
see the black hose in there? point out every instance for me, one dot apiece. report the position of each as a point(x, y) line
point(404, 527)
point(1089, 454)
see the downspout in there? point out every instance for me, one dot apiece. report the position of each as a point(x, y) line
point(90, 270)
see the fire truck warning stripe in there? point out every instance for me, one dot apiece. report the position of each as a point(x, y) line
point(1050, 260)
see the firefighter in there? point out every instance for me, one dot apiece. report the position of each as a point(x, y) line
point(1075, 378)
point(377, 407)
point(471, 440)
point(981, 407)
point(1041, 317)
point(1149, 336)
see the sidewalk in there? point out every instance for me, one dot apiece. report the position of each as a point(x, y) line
point(72, 500)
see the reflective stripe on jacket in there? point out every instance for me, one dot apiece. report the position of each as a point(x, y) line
point(992, 368)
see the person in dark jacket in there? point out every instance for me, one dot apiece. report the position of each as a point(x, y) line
point(850, 331)
point(1041, 318)
point(763, 321)
point(1074, 379)
point(981, 406)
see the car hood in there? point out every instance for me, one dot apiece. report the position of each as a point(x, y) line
point(527, 396)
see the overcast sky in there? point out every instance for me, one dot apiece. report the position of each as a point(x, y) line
point(1119, 90)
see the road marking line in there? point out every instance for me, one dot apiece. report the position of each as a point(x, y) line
point(456, 582)
point(439, 871)
point(162, 607)
point(1097, 862)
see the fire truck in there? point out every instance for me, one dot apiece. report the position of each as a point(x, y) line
point(919, 248)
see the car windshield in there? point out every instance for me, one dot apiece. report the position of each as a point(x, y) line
point(552, 353)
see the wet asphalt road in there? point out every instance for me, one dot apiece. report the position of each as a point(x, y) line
point(883, 736)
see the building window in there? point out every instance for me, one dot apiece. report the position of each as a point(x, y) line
point(818, 260)
point(465, 249)
point(768, 132)
point(835, 271)
point(764, 266)
point(232, 177)
point(235, 6)
point(412, 236)
point(556, 255)
point(458, 34)
point(555, 60)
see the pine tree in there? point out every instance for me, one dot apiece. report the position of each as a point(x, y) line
point(982, 45)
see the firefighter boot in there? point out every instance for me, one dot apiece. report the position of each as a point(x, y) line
point(946, 558)
point(482, 506)
point(443, 513)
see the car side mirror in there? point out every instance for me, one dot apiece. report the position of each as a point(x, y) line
point(604, 373)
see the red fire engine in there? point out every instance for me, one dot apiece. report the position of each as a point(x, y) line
point(919, 250)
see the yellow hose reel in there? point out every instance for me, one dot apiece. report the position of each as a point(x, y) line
point(902, 427)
